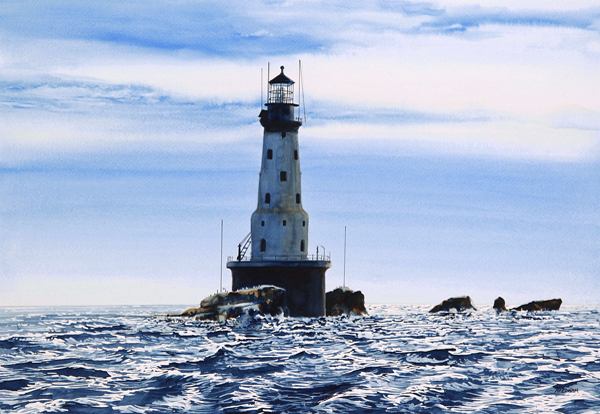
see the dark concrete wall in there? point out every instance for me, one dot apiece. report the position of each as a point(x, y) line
point(305, 286)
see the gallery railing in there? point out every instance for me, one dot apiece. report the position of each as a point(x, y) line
point(281, 258)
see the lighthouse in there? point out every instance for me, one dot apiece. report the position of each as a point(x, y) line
point(278, 239)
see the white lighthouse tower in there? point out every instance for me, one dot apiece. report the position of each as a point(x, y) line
point(279, 226)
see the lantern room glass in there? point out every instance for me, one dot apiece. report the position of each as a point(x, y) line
point(281, 93)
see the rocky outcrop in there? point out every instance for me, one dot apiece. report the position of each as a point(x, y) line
point(541, 305)
point(344, 301)
point(459, 304)
point(265, 299)
point(500, 304)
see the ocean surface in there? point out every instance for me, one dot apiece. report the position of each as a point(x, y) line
point(399, 359)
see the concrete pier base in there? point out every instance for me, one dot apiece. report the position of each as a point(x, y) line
point(304, 282)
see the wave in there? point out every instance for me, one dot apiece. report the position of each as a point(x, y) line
point(398, 359)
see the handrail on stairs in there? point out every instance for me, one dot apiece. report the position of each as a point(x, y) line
point(243, 246)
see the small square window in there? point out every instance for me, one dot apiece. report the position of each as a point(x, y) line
point(270, 154)
point(295, 154)
point(284, 222)
point(303, 223)
point(283, 135)
point(262, 223)
point(283, 176)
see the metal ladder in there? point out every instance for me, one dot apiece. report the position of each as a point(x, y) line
point(243, 246)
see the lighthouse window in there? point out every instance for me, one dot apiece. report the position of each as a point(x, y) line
point(295, 154)
point(270, 154)
point(283, 135)
point(302, 245)
point(263, 245)
point(303, 223)
point(297, 198)
point(262, 223)
point(284, 222)
point(283, 176)
point(267, 198)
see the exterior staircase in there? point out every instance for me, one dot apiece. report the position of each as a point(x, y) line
point(244, 246)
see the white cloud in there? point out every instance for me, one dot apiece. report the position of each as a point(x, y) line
point(576, 118)
point(517, 75)
point(526, 71)
point(219, 80)
point(528, 5)
point(505, 138)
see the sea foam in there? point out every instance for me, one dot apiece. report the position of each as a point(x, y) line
point(398, 359)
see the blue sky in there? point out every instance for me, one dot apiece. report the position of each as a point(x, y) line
point(457, 141)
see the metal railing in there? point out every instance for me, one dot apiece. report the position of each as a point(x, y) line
point(244, 246)
point(282, 258)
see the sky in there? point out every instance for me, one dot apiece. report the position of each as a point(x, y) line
point(457, 142)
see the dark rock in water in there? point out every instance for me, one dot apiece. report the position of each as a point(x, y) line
point(344, 301)
point(500, 304)
point(541, 305)
point(460, 304)
point(265, 299)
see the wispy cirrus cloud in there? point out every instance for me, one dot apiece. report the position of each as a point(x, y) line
point(462, 19)
point(263, 28)
point(321, 113)
point(209, 28)
point(183, 70)
point(52, 111)
point(156, 111)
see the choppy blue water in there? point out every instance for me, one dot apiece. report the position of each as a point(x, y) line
point(400, 359)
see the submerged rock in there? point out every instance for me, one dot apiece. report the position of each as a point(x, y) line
point(265, 299)
point(344, 301)
point(460, 304)
point(541, 305)
point(500, 304)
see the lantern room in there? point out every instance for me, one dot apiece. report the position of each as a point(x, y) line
point(281, 90)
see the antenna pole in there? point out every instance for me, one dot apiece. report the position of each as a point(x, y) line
point(299, 81)
point(261, 88)
point(221, 279)
point(344, 256)
point(268, 78)
point(301, 87)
